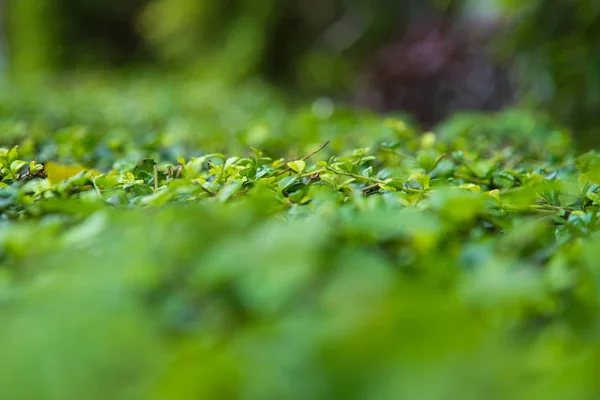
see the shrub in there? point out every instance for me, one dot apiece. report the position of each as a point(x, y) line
point(147, 252)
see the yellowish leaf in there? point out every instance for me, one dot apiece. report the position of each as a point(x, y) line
point(59, 172)
point(298, 166)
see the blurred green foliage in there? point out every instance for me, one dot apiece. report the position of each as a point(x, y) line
point(554, 45)
point(352, 257)
point(317, 45)
point(312, 45)
point(30, 36)
point(49, 36)
point(168, 237)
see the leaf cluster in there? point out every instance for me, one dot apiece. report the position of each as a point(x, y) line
point(360, 259)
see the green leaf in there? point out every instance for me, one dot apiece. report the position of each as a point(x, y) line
point(297, 166)
point(144, 169)
point(17, 165)
point(345, 183)
point(228, 191)
point(287, 182)
point(13, 154)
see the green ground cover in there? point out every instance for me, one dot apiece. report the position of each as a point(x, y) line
point(173, 239)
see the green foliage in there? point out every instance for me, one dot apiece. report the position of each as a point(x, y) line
point(554, 46)
point(314, 46)
point(208, 243)
point(30, 30)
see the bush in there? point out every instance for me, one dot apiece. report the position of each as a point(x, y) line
point(146, 251)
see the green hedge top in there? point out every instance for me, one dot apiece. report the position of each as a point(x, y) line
point(147, 251)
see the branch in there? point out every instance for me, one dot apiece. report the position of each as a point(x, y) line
point(288, 169)
point(207, 190)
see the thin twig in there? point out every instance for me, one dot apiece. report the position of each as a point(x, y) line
point(288, 169)
point(473, 179)
point(313, 177)
point(373, 180)
point(540, 208)
point(240, 193)
point(311, 173)
point(207, 190)
point(316, 151)
point(155, 178)
point(374, 186)
point(438, 161)
point(96, 187)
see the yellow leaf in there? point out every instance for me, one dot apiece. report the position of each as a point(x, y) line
point(58, 172)
point(470, 186)
point(298, 166)
point(494, 193)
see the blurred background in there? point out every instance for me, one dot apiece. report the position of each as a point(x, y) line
point(428, 58)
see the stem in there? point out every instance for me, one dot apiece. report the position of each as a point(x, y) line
point(207, 190)
point(370, 187)
point(535, 208)
point(12, 174)
point(372, 180)
point(316, 151)
point(310, 173)
point(155, 178)
point(288, 169)
point(96, 187)
point(473, 179)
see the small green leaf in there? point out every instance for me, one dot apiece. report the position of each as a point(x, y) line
point(297, 166)
point(345, 183)
point(17, 165)
point(593, 197)
point(144, 169)
point(231, 161)
point(360, 152)
point(13, 154)
point(228, 191)
point(286, 182)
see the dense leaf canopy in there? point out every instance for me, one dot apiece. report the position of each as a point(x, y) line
point(177, 240)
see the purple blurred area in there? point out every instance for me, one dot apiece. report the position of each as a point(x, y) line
point(435, 68)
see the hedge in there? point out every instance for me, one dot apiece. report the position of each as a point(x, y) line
point(185, 241)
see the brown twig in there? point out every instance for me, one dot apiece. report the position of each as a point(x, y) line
point(155, 178)
point(374, 181)
point(207, 190)
point(313, 177)
point(367, 189)
point(288, 169)
point(240, 193)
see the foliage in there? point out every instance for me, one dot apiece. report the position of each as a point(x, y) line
point(364, 48)
point(318, 45)
point(147, 251)
point(554, 44)
point(48, 36)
